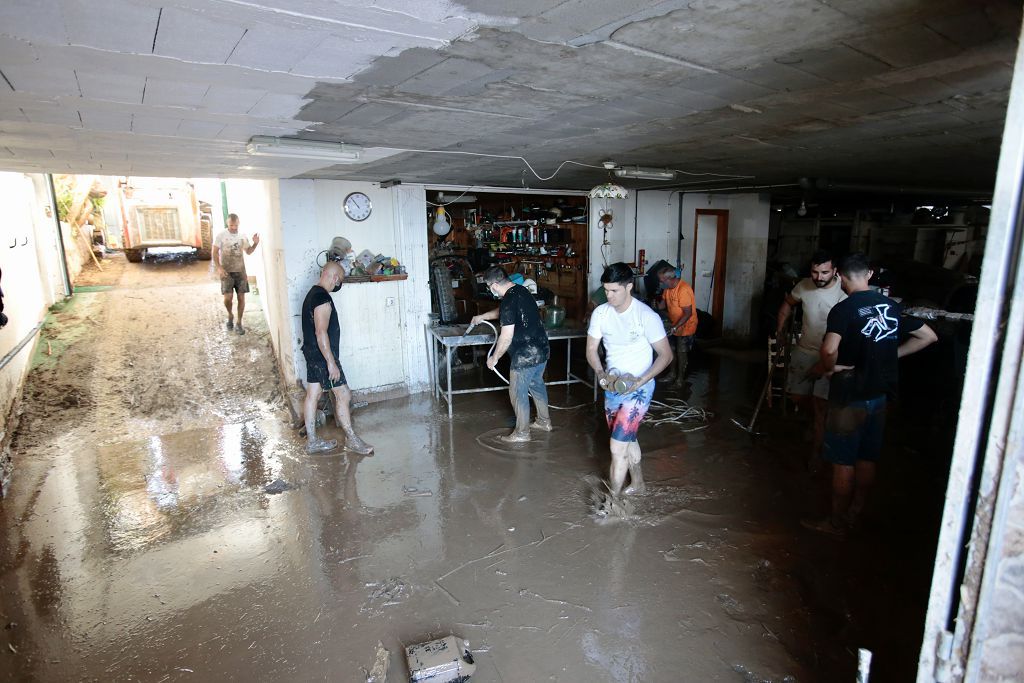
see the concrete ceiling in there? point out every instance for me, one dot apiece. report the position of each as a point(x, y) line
point(887, 91)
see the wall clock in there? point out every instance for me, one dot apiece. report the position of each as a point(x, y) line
point(358, 206)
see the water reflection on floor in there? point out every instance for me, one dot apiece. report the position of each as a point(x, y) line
point(166, 558)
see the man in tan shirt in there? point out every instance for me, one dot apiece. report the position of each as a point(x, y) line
point(227, 257)
point(807, 388)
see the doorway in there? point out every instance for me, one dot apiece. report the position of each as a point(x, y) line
point(707, 277)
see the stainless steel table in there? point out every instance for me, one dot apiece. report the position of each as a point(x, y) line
point(448, 337)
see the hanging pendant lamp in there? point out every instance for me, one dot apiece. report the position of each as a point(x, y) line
point(609, 191)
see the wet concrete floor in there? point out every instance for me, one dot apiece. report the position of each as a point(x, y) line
point(155, 552)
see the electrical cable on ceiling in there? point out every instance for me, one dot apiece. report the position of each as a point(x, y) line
point(720, 175)
point(557, 170)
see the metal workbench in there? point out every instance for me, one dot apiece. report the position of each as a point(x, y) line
point(448, 337)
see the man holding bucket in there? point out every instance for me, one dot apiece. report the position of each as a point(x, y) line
point(636, 350)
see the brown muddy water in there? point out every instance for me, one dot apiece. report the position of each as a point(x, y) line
point(140, 540)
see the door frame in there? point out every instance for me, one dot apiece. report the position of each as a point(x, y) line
point(718, 271)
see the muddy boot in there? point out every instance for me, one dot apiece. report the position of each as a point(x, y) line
point(320, 446)
point(241, 330)
point(515, 437)
point(231, 323)
point(612, 506)
point(828, 525)
point(354, 444)
point(636, 481)
point(681, 361)
point(542, 425)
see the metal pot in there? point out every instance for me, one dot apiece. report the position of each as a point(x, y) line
point(554, 316)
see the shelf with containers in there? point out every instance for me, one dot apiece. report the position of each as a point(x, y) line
point(544, 237)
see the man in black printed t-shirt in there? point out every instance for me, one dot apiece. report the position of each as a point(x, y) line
point(860, 351)
point(523, 337)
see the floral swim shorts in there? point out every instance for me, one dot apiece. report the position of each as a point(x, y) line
point(625, 412)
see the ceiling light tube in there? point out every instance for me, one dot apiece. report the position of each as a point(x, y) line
point(443, 198)
point(294, 148)
point(645, 173)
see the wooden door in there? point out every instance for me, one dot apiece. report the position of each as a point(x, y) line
point(710, 235)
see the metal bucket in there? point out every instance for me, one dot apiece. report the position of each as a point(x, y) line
point(554, 316)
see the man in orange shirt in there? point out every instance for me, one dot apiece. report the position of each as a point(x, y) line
point(682, 314)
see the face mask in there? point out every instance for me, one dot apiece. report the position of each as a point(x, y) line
point(336, 287)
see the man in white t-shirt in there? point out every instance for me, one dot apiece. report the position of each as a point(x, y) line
point(635, 348)
point(807, 386)
point(227, 257)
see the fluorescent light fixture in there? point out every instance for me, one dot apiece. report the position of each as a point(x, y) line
point(644, 173)
point(443, 198)
point(294, 148)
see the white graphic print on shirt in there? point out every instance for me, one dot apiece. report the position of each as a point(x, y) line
point(880, 324)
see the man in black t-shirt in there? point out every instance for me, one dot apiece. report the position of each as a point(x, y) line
point(860, 351)
point(523, 337)
point(321, 338)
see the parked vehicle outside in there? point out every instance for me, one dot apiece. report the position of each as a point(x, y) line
point(164, 212)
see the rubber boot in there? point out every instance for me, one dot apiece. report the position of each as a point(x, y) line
point(541, 425)
point(680, 362)
point(354, 444)
point(320, 446)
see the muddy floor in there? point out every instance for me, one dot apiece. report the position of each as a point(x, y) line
point(144, 351)
point(164, 524)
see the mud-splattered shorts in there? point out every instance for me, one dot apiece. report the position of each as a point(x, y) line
point(316, 371)
point(854, 431)
point(800, 382)
point(237, 282)
point(625, 412)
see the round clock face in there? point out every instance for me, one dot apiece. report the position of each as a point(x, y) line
point(358, 206)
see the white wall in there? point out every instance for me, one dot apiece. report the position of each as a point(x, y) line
point(383, 350)
point(620, 236)
point(51, 266)
point(649, 220)
point(410, 211)
point(746, 257)
point(257, 204)
point(27, 267)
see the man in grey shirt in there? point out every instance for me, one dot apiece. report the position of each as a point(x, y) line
point(227, 257)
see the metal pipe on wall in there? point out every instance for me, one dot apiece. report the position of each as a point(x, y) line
point(679, 233)
point(636, 226)
point(827, 185)
point(9, 356)
point(60, 236)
